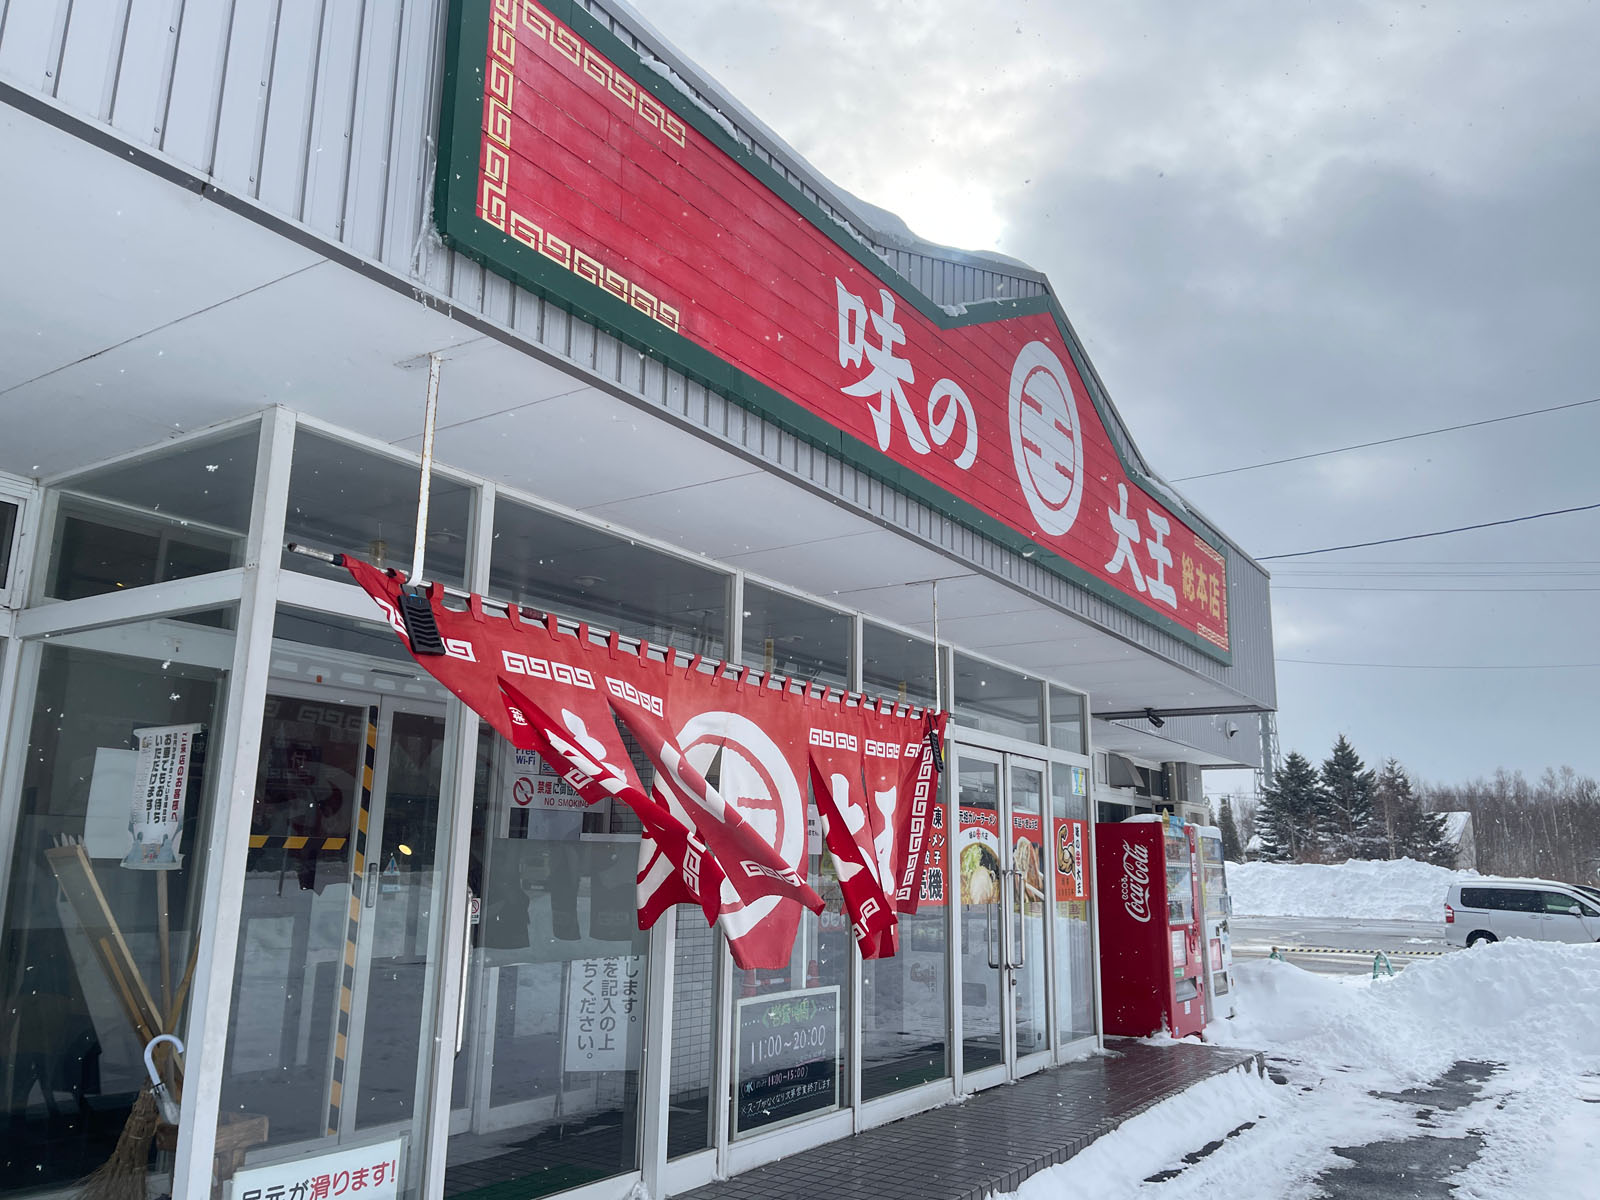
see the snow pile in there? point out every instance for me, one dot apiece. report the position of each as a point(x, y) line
point(1348, 1045)
point(1518, 1001)
point(1398, 890)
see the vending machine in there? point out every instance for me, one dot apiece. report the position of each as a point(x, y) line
point(1217, 906)
point(1151, 963)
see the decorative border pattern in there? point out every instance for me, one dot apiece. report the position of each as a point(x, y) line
point(466, 95)
point(498, 92)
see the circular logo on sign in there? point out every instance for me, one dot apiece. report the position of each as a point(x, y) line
point(756, 781)
point(1046, 438)
point(522, 791)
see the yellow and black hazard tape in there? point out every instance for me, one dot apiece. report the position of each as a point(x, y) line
point(264, 841)
point(358, 874)
point(1358, 950)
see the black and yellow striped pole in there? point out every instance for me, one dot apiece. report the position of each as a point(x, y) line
point(358, 879)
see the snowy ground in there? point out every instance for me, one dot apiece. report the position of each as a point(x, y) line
point(1402, 889)
point(1512, 1029)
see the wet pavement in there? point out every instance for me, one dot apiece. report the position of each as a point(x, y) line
point(1413, 1168)
point(994, 1140)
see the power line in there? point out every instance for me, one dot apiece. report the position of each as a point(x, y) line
point(1532, 591)
point(1317, 662)
point(1441, 575)
point(1413, 537)
point(1405, 437)
point(1469, 562)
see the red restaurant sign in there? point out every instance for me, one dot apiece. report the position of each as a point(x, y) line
point(580, 171)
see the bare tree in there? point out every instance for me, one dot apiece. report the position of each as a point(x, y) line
point(1549, 828)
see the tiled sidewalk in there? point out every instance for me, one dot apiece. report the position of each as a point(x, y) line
point(996, 1139)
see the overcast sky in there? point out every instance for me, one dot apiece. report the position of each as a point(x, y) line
point(1282, 228)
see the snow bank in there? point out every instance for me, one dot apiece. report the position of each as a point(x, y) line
point(1398, 890)
point(1513, 1001)
point(1348, 1045)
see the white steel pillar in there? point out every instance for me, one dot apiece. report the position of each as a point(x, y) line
point(236, 760)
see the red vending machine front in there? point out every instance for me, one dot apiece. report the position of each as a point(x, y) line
point(1150, 956)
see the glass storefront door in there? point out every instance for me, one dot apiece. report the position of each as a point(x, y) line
point(1001, 870)
point(342, 902)
point(546, 1091)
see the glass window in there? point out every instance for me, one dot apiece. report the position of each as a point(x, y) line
point(8, 535)
point(339, 936)
point(691, 1116)
point(347, 500)
point(101, 929)
point(1108, 813)
point(791, 1025)
point(170, 514)
point(1517, 900)
point(904, 1002)
point(897, 665)
point(1559, 902)
point(788, 636)
point(1066, 720)
point(573, 570)
point(994, 700)
point(1073, 877)
point(547, 1085)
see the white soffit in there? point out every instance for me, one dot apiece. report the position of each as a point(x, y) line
point(124, 329)
point(1137, 743)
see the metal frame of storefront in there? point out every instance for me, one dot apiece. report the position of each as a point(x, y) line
point(259, 587)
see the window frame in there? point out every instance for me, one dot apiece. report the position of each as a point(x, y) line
point(24, 495)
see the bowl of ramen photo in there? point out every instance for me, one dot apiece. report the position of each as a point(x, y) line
point(980, 874)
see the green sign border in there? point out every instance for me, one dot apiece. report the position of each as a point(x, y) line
point(455, 212)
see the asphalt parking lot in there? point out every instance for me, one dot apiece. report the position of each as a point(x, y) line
point(1337, 945)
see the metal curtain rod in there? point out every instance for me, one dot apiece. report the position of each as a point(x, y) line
point(571, 625)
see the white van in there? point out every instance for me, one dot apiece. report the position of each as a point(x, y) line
point(1488, 909)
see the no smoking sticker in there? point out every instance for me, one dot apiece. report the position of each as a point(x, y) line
point(522, 791)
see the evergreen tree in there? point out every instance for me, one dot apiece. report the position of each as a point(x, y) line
point(1350, 830)
point(1231, 849)
point(1287, 820)
point(1415, 832)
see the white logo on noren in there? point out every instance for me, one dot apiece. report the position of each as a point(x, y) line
point(1046, 438)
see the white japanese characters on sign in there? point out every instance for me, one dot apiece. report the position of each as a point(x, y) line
point(1128, 534)
point(368, 1172)
point(885, 383)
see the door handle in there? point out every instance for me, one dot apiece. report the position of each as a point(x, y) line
point(988, 928)
point(1020, 900)
point(371, 898)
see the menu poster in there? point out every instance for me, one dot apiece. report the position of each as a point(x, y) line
point(978, 856)
point(1070, 882)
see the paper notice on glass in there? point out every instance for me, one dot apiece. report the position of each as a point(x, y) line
point(605, 1007)
point(160, 780)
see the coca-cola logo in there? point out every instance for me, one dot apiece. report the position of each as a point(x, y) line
point(1136, 881)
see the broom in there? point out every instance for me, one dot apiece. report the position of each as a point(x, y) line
point(122, 1176)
